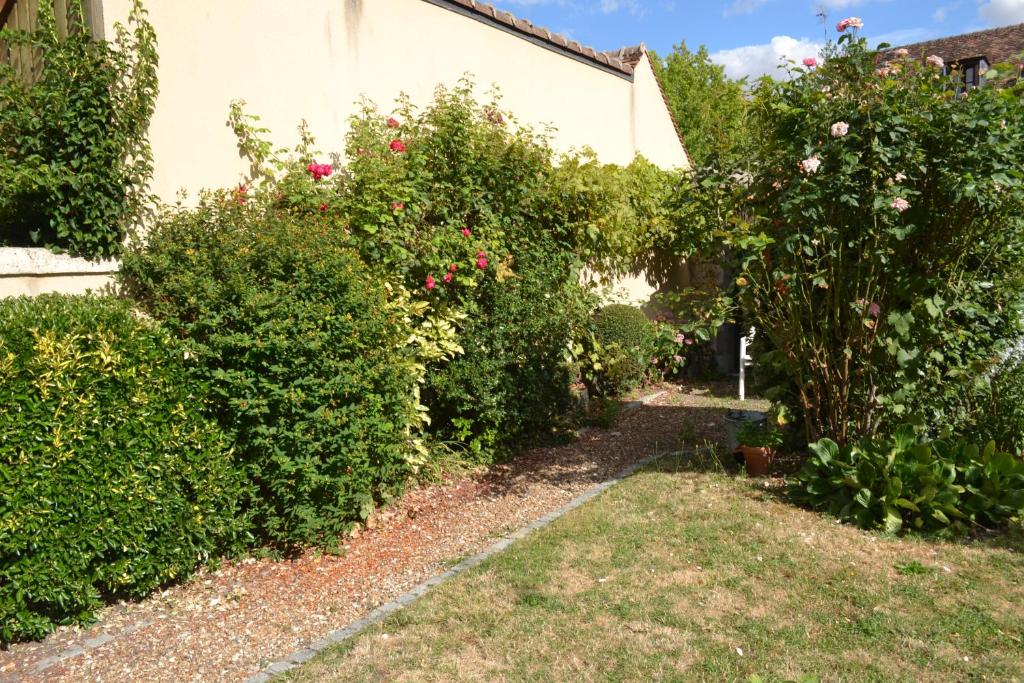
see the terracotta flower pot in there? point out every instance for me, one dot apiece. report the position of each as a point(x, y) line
point(757, 459)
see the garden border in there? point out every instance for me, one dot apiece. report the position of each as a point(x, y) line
point(378, 615)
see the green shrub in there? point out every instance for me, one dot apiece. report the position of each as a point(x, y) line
point(624, 341)
point(74, 159)
point(998, 410)
point(884, 260)
point(113, 482)
point(511, 384)
point(902, 483)
point(308, 358)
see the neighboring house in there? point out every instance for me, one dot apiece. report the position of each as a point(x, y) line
point(314, 59)
point(971, 55)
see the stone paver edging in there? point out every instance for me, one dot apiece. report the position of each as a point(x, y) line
point(378, 615)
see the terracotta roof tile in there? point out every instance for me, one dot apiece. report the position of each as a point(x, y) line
point(527, 28)
point(996, 45)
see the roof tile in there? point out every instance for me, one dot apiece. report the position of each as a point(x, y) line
point(528, 28)
point(995, 45)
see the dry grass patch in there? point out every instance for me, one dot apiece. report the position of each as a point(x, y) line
point(678, 575)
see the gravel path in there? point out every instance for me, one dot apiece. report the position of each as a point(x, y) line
point(229, 624)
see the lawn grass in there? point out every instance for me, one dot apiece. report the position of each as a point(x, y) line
point(683, 575)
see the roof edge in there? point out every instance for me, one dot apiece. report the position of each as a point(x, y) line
point(537, 35)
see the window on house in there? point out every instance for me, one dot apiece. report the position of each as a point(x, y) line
point(970, 72)
point(23, 15)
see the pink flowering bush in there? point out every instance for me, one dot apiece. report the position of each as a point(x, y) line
point(884, 240)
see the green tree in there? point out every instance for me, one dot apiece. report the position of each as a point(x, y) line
point(709, 106)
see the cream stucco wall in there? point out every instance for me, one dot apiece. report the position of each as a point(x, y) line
point(313, 59)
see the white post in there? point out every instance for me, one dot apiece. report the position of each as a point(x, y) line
point(745, 360)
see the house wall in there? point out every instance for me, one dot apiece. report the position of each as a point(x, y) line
point(314, 59)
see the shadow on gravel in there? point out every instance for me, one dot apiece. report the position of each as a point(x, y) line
point(600, 453)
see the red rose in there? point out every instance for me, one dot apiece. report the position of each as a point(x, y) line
point(393, 123)
point(397, 146)
point(430, 282)
point(447, 277)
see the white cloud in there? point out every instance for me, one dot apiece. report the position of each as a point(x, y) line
point(743, 7)
point(756, 60)
point(1002, 12)
point(939, 15)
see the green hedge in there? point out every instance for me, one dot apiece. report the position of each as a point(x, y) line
point(306, 356)
point(624, 341)
point(113, 482)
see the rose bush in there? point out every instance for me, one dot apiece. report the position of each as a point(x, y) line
point(884, 239)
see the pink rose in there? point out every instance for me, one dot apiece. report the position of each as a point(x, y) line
point(850, 22)
point(900, 204)
point(677, 359)
point(447, 278)
point(680, 338)
point(901, 52)
point(481, 260)
point(936, 61)
point(810, 165)
point(874, 310)
point(397, 206)
point(466, 232)
point(430, 282)
point(839, 129)
point(397, 146)
point(393, 123)
point(810, 62)
point(320, 171)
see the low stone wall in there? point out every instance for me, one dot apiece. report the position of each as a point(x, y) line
point(29, 271)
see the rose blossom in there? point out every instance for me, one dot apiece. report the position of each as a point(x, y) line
point(319, 171)
point(900, 204)
point(430, 282)
point(849, 22)
point(899, 178)
point(397, 206)
point(447, 278)
point(466, 232)
point(393, 123)
point(680, 338)
point(452, 268)
point(839, 129)
point(810, 164)
point(323, 207)
point(481, 260)
point(810, 62)
point(936, 61)
point(874, 310)
point(397, 146)
point(901, 52)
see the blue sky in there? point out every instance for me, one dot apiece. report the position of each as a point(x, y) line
point(750, 36)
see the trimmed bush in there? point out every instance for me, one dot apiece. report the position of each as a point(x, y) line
point(308, 359)
point(113, 482)
point(624, 340)
point(511, 384)
point(903, 483)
